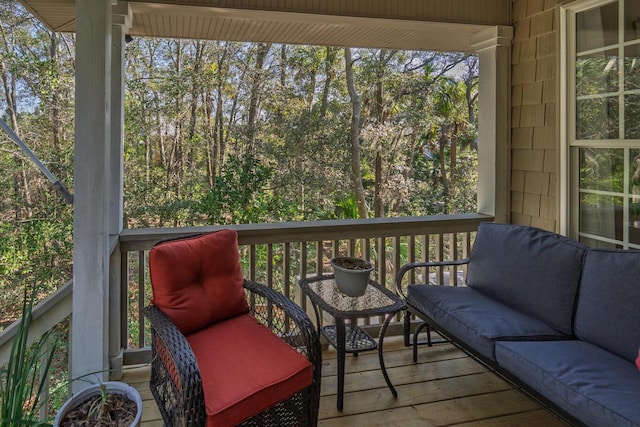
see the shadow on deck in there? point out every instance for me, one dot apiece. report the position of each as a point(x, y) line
point(444, 388)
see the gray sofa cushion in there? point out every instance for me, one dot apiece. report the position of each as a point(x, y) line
point(608, 313)
point(533, 271)
point(476, 319)
point(592, 384)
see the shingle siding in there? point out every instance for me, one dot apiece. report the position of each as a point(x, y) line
point(534, 147)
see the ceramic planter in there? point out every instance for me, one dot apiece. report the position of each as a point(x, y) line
point(351, 275)
point(94, 390)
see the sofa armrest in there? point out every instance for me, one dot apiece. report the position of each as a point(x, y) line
point(175, 377)
point(413, 265)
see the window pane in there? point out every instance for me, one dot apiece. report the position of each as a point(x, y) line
point(631, 115)
point(602, 169)
point(597, 73)
point(597, 118)
point(634, 172)
point(634, 220)
point(601, 215)
point(632, 67)
point(597, 27)
point(631, 20)
point(634, 200)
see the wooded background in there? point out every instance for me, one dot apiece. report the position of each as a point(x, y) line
point(226, 133)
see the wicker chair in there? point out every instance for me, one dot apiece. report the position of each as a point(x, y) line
point(271, 342)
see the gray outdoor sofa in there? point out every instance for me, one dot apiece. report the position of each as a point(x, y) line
point(548, 313)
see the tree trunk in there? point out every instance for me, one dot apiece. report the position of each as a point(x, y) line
point(379, 115)
point(443, 166)
point(195, 93)
point(9, 86)
point(356, 110)
point(283, 84)
point(452, 166)
point(256, 84)
point(329, 72)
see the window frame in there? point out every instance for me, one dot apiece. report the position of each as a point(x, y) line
point(570, 191)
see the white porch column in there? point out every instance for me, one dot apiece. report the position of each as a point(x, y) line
point(493, 47)
point(121, 22)
point(89, 337)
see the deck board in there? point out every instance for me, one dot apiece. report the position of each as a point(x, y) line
point(444, 388)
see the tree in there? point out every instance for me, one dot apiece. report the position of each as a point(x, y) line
point(354, 135)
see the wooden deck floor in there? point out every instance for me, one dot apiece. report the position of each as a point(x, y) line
point(444, 388)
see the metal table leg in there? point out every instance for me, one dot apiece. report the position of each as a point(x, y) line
point(380, 354)
point(341, 348)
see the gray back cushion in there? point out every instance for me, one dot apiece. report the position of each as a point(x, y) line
point(608, 312)
point(528, 269)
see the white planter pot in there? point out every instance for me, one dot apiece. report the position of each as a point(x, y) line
point(352, 281)
point(94, 390)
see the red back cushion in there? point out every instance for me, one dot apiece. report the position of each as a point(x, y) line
point(197, 281)
point(638, 360)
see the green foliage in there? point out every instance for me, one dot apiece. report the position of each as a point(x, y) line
point(45, 244)
point(347, 208)
point(241, 194)
point(23, 379)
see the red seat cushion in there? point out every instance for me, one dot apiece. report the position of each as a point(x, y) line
point(245, 369)
point(197, 281)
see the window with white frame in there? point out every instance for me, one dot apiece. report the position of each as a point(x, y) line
point(601, 130)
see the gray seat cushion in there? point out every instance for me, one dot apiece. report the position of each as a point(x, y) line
point(608, 311)
point(592, 384)
point(475, 319)
point(533, 271)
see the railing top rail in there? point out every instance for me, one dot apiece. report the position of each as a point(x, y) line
point(145, 238)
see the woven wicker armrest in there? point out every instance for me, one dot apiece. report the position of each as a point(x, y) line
point(175, 378)
point(410, 266)
point(286, 319)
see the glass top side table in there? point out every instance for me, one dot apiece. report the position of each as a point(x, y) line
point(324, 294)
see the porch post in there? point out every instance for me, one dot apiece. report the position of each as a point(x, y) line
point(493, 47)
point(121, 22)
point(89, 335)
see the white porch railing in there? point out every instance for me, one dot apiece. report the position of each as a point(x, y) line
point(46, 315)
point(278, 254)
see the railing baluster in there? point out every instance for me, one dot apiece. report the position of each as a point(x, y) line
point(440, 257)
point(397, 255)
point(286, 279)
point(453, 254)
point(252, 262)
point(124, 298)
point(269, 278)
point(141, 287)
point(367, 249)
point(286, 269)
point(411, 257)
point(303, 274)
point(382, 268)
point(426, 254)
point(319, 256)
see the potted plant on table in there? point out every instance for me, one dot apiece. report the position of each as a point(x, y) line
point(351, 275)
